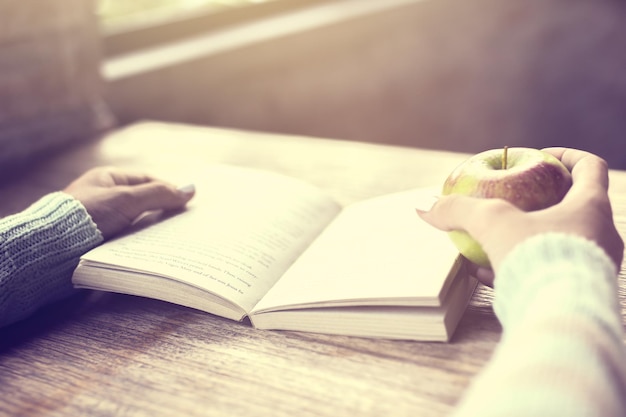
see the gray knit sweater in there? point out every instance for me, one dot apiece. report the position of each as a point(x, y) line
point(39, 249)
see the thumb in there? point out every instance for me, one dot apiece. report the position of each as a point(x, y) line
point(484, 219)
point(460, 212)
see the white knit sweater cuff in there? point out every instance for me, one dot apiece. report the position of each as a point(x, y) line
point(551, 267)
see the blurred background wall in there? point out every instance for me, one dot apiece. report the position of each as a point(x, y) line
point(463, 75)
point(446, 74)
point(50, 83)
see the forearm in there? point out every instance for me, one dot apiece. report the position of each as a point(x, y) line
point(39, 249)
point(561, 352)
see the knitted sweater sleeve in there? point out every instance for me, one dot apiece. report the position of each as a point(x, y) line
point(39, 249)
point(562, 352)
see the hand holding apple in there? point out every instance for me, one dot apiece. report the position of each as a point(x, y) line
point(530, 179)
point(498, 226)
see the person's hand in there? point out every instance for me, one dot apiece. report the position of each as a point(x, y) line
point(114, 197)
point(499, 226)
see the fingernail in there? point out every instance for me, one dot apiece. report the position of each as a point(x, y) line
point(426, 204)
point(187, 189)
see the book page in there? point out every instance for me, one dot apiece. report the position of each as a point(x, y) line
point(376, 252)
point(239, 234)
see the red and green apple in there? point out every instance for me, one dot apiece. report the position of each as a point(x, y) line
point(530, 179)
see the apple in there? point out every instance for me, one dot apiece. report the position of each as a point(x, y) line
point(528, 178)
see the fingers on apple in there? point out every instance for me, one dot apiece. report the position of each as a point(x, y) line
point(582, 163)
point(591, 170)
point(556, 152)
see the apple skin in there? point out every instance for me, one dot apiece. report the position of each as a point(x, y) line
point(533, 180)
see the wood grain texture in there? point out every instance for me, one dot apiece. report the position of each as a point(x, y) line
point(102, 354)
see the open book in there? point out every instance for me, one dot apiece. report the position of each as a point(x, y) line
point(279, 251)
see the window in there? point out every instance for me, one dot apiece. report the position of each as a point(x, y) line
point(114, 11)
point(131, 25)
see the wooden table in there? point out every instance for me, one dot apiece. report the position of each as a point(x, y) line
point(114, 355)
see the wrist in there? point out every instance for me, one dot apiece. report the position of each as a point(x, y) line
point(553, 266)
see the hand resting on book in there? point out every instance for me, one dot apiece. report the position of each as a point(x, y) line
point(43, 243)
point(114, 197)
point(499, 226)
